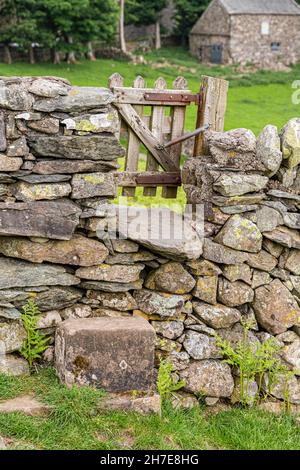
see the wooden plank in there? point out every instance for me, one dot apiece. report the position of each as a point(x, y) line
point(134, 179)
point(145, 135)
point(156, 127)
point(134, 96)
point(134, 143)
point(211, 110)
point(178, 121)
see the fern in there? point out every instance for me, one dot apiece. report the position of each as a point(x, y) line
point(165, 382)
point(35, 343)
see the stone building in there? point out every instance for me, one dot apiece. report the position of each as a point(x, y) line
point(260, 32)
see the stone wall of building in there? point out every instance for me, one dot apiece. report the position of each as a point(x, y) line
point(59, 151)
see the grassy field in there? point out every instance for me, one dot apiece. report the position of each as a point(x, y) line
point(255, 99)
point(75, 423)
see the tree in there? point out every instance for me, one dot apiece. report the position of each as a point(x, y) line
point(122, 26)
point(187, 14)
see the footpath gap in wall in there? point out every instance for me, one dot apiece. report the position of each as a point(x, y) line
point(58, 152)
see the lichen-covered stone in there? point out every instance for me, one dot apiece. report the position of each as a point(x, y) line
point(290, 140)
point(222, 254)
point(293, 262)
point(10, 163)
point(13, 365)
point(47, 88)
point(209, 377)
point(284, 236)
point(262, 260)
point(95, 123)
point(12, 336)
point(275, 307)
point(200, 346)
point(206, 289)
point(3, 142)
point(50, 167)
point(18, 148)
point(166, 306)
point(237, 184)
point(44, 191)
point(202, 267)
point(260, 278)
point(112, 286)
point(234, 294)
point(15, 273)
point(89, 147)
point(238, 272)
point(170, 277)
point(217, 316)
point(267, 219)
point(111, 273)
point(15, 97)
point(142, 256)
point(45, 125)
point(268, 149)
point(169, 329)
point(93, 184)
point(240, 234)
point(117, 301)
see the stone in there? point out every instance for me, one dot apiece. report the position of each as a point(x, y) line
point(125, 246)
point(262, 261)
point(180, 360)
point(10, 163)
point(112, 286)
point(267, 219)
point(48, 88)
point(293, 262)
point(237, 184)
point(2, 444)
point(170, 277)
point(167, 345)
point(290, 141)
point(49, 320)
point(216, 316)
point(48, 219)
point(144, 405)
point(240, 234)
point(202, 267)
point(13, 365)
point(111, 273)
point(273, 248)
point(142, 256)
point(78, 99)
point(47, 125)
point(260, 278)
point(79, 251)
point(235, 148)
point(206, 289)
point(222, 254)
point(9, 312)
point(235, 335)
point(48, 355)
point(26, 404)
point(275, 307)
point(183, 401)
point(209, 377)
point(50, 167)
point(117, 301)
point(38, 179)
point(200, 346)
point(168, 329)
point(89, 147)
point(285, 195)
point(288, 337)
point(15, 273)
point(95, 123)
point(175, 238)
point(12, 336)
point(76, 311)
point(18, 148)
point(231, 210)
point(292, 220)
point(237, 272)
point(154, 303)
point(35, 192)
point(291, 354)
point(250, 390)
point(237, 201)
point(84, 355)
point(87, 185)
point(234, 294)
point(284, 236)
point(15, 97)
point(281, 388)
point(268, 149)
point(3, 142)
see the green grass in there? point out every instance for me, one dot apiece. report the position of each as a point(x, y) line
point(75, 423)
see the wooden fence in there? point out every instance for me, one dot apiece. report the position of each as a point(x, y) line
point(155, 119)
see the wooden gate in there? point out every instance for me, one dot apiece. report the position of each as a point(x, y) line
point(155, 118)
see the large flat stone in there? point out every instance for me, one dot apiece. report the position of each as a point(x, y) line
point(111, 273)
point(15, 273)
point(50, 167)
point(237, 184)
point(88, 185)
point(48, 219)
point(161, 230)
point(90, 147)
point(80, 251)
point(112, 354)
point(95, 123)
point(43, 191)
point(77, 99)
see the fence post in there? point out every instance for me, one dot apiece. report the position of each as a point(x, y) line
point(211, 109)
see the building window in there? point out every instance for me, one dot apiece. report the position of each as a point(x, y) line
point(265, 28)
point(275, 46)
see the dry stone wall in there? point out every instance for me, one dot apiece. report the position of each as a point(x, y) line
point(59, 151)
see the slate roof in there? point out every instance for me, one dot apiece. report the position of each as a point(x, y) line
point(261, 7)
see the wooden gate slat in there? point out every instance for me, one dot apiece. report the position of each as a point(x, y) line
point(134, 143)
